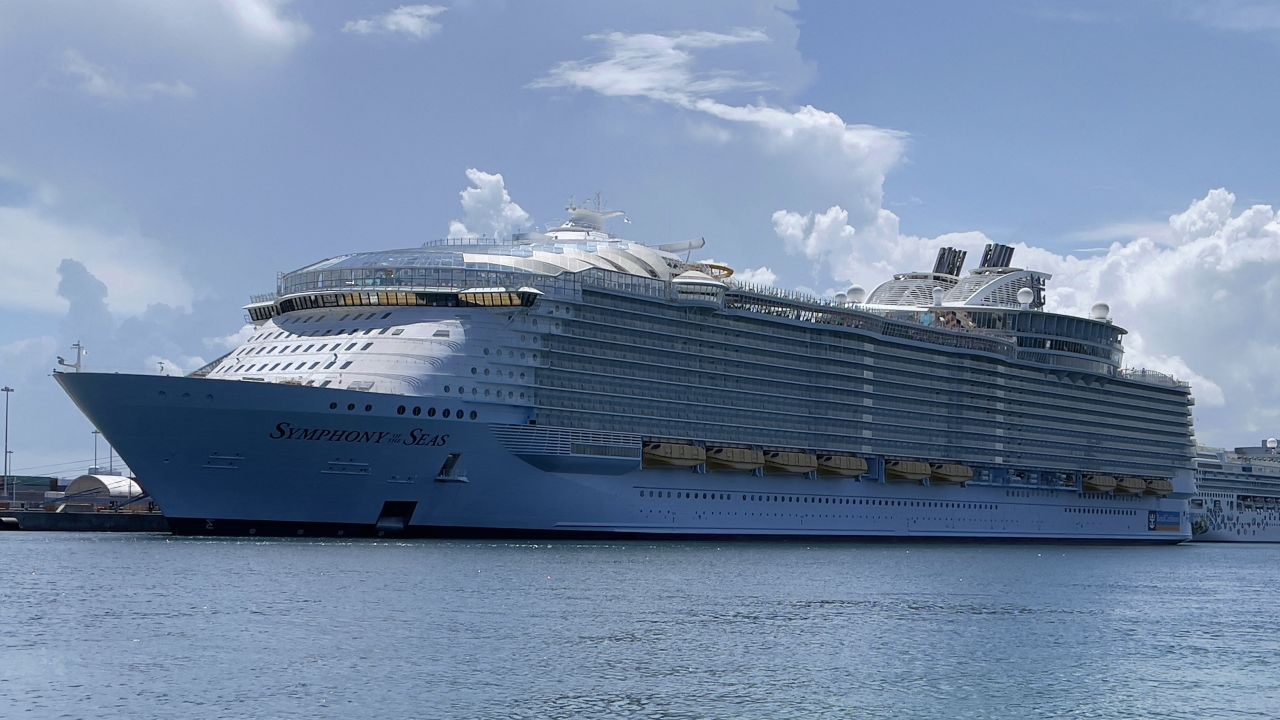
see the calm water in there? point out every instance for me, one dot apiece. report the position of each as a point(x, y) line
point(129, 626)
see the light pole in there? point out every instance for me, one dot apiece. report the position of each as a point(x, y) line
point(7, 391)
point(95, 449)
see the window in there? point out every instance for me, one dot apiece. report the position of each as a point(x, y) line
point(366, 346)
point(351, 346)
point(431, 412)
point(445, 412)
point(417, 411)
point(398, 331)
point(345, 365)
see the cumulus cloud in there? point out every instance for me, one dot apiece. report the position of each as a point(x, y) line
point(225, 343)
point(756, 276)
point(101, 82)
point(416, 21)
point(487, 208)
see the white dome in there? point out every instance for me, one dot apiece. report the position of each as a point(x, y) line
point(840, 299)
point(1025, 296)
point(1272, 443)
point(856, 294)
point(696, 277)
point(1099, 311)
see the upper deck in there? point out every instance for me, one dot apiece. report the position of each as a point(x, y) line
point(994, 310)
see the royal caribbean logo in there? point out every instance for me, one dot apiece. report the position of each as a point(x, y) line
point(1164, 520)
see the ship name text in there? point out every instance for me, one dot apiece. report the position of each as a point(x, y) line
point(287, 431)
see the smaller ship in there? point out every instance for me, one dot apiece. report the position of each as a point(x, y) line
point(1238, 494)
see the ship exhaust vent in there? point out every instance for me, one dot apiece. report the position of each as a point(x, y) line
point(996, 255)
point(395, 515)
point(950, 261)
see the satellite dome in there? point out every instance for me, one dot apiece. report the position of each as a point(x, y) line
point(1025, 296)
point(840, 299)
point(937, 295)
point(1100, 311)
point(1272, 443)
point(856, 294)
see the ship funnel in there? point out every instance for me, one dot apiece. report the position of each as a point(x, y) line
point(950, 261)
point(996, 255)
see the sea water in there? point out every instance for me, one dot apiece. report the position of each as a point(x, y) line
point(140, 626)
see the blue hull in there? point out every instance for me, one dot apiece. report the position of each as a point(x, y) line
point(243, 458)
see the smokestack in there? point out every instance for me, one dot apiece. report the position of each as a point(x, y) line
point(996, 255)
point(950, 261)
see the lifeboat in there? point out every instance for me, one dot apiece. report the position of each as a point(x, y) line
point(950, 473)
point(673, 454)
point(1159, 486)
point(1130, 485)
point(789, 461)
point(734, 458)
point(906, 470)
point(842, 465)
point(1100, 483)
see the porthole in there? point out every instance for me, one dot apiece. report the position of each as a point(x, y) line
point(417, 410)
point(431, 412)
point(473, 414)
point(368, 408)
point(458, 413)
point(400, 410)
point(351, 406)
point(486, 351)
point(446, 388)
point(461, 391)
point(445, 412)
point(486, 371)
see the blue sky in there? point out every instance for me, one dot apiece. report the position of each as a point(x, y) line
point(161, 161)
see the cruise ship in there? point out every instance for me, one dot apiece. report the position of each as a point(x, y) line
point(572, 383)
point(1238, 494)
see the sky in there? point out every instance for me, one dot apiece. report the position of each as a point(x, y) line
point(160, 162)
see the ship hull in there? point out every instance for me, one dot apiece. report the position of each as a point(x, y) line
point(1253, 526)
point(243, 458)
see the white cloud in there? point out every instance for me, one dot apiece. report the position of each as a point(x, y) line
point(823, 149)
point(418, 21)
point(226, 343)
point(266, 22)
point(756, 276)
point(94, 79)
point(1238, 15)
point(102, 82)
point(659, 67)
point(487, 207)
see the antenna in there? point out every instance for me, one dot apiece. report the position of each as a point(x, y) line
point(80, 353)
